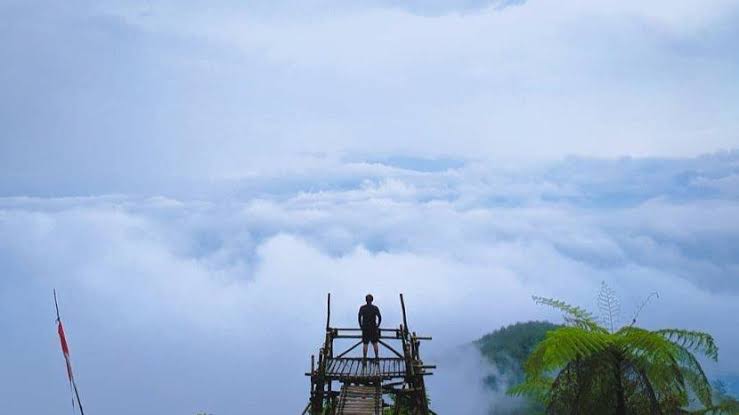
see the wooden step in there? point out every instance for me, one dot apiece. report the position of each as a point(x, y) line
point(359, 400)
point(352, 369)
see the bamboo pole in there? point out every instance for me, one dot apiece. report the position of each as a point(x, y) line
point(405, 320)
point(328, 314)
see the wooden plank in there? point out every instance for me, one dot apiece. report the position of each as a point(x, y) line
point(344, 368)
point(356, 368)
point(359, 400)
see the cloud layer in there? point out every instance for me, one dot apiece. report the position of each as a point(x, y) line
point(194, 179)
point(177, 304)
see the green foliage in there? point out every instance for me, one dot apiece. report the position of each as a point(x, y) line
point(695, 341)
point(507, 349)
point(574, 316)
point(564, 345)
point(403, 406)
point(584, 367)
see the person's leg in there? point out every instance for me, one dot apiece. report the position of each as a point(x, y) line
point(364, 350)
point(376, 346)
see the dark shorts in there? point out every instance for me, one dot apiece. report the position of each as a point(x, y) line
point(370, 334)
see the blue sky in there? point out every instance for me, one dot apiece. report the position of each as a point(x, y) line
point(194, 177)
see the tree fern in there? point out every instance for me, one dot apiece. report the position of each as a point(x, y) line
point(584, 367)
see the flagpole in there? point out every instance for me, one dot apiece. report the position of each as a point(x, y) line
point(66, 357)
point(58, 322)
point(56, 305)
point(77, 394)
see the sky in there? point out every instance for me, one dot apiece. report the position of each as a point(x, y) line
point(194, 177)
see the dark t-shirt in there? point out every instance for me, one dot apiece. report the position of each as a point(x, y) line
point(369, 316)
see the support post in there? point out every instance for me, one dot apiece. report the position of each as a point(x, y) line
point(328, 314)
point(318, 392)
point(405, 320)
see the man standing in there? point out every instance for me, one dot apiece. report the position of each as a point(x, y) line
point(369, 321)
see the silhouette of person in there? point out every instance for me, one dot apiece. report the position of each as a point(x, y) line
point(369, 321)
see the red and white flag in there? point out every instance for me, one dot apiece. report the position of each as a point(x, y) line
point(65, 350)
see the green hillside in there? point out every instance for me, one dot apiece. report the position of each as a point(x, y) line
point(507, 349)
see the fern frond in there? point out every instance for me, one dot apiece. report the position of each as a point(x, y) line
point(573, 315)
point(657, 357)
point(643, 304)
point(726, 408)
point(643, 343)
point(723, 408)
point(609, 306)
point(694, 376)
point(537, 388)
point(562, 346)
point(695, 341)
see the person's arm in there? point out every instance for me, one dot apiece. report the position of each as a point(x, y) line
point(379, 317)
point(359, 317)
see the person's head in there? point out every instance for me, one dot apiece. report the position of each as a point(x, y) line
point(369, 298)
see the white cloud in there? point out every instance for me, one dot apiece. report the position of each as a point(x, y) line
point(251, 160)
point(187, 297)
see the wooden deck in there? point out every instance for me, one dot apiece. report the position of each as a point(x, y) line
point(359, 400)
point(354, 369)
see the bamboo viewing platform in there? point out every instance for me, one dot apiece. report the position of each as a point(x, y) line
point(363, 384)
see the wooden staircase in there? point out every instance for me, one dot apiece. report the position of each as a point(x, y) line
point(359, 400)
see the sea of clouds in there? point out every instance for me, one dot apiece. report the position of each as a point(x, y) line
point(194, 178)
point(213, 297)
